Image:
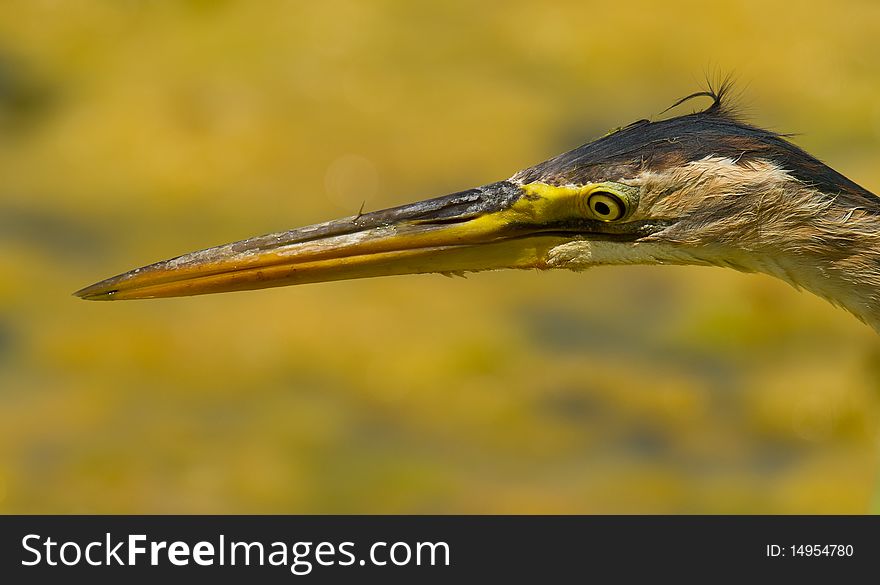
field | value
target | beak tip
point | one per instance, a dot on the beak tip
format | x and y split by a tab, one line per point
96	292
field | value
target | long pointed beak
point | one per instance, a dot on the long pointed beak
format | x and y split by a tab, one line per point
479	229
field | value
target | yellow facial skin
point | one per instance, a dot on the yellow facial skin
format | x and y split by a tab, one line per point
551	202
509	238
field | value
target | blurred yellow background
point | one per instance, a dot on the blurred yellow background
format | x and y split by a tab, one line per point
135	131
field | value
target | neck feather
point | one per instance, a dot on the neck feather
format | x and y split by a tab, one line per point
757	217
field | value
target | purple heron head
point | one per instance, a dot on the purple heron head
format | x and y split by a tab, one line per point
702	188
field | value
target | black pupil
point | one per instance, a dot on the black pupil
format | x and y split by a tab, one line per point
602	208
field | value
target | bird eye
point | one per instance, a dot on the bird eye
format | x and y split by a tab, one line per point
606	206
